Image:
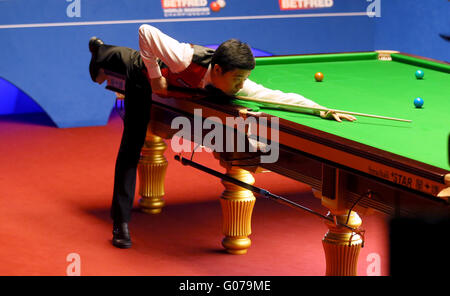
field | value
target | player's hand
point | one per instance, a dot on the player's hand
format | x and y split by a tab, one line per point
337	116
159	86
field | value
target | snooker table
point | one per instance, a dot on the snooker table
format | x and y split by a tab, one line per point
398	168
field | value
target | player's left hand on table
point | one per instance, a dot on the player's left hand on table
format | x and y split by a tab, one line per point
159	86
337	116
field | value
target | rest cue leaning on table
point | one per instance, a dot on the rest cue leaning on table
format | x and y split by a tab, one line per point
346	173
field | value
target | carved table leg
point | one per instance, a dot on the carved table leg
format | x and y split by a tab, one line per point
342	246
237	207
152	170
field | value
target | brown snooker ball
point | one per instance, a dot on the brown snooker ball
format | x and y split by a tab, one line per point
318	76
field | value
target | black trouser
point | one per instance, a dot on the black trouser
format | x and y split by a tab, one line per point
137	116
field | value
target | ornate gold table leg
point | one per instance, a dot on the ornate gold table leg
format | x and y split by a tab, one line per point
152	170
342	246
237	207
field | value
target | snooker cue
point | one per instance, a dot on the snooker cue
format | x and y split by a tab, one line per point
293	107
260	191
276	105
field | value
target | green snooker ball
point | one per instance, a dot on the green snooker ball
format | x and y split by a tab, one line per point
419	74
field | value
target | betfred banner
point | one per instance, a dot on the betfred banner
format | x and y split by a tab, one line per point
304	4
191	7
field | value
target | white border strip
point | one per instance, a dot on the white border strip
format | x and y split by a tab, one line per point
174	20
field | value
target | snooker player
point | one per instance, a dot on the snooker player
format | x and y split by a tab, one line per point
227	69
163	61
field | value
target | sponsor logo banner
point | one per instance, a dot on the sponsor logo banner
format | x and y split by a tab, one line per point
304	4
173	8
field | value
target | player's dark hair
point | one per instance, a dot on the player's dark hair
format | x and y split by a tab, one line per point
233	54
94	44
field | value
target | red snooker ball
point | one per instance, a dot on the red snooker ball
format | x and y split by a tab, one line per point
318	76
215	6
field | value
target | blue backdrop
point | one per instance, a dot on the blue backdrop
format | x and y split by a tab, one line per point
45	42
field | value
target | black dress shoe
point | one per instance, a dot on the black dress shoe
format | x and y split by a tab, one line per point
121	236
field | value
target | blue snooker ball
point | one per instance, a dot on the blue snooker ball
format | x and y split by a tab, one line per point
419	74
418	102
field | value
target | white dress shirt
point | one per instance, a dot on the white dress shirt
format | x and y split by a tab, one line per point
177	56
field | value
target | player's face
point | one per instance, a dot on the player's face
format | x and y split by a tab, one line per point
230	82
